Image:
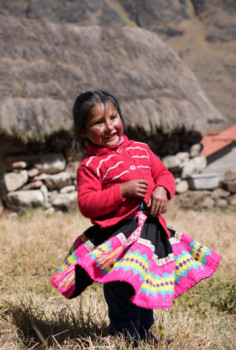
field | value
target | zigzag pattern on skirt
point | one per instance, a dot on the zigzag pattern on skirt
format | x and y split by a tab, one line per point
155	284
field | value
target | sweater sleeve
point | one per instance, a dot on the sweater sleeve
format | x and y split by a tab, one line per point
93	201
161	175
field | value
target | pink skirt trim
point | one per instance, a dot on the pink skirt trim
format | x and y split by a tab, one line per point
156	282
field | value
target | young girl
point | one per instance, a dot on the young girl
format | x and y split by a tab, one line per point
124	188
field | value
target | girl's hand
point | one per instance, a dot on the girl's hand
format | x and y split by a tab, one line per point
158	201
134	188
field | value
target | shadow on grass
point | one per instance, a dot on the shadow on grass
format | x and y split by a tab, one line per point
34	327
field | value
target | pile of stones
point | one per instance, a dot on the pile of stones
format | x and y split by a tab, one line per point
184	166
206	199
47	180
196	188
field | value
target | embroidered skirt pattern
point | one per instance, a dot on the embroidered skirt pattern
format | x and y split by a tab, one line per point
158	268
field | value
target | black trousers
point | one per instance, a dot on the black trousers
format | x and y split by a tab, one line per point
125	317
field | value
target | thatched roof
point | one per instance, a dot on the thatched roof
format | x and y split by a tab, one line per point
45	65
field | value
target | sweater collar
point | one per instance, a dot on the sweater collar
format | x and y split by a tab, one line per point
99	150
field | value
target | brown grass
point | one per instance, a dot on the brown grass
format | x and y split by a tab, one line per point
34	316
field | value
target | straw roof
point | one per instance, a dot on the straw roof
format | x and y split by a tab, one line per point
46	65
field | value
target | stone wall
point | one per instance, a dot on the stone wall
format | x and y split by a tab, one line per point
48	180
197	188
45	180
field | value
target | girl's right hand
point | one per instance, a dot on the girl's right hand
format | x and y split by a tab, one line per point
134	188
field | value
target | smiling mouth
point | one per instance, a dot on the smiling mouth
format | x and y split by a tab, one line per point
110	136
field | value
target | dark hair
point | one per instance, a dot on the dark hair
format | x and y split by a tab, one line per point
81	109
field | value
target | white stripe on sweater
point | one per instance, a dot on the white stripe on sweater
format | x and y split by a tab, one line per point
113	167
87	164
142	143
143	166
139	157
143	149
103	160
116	177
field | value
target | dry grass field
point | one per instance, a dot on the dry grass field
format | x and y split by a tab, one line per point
34	316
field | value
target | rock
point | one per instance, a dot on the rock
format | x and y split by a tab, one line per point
221	203
177	180
192	199
13	215
203	181
33	172
44	191
229	181
195	150
51	163
177	162
231	186
200	163
182	187
230	175
232	201
220	193
194	165
71	168
14	181
47	205
52	193
19	165
57	181
41	177
63	201
1	207
207	203
32	185
184	201
50	211
19	200
68	189
188	169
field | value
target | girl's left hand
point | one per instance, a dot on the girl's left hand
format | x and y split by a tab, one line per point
158	201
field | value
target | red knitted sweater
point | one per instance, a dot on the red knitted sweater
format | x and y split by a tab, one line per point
103	170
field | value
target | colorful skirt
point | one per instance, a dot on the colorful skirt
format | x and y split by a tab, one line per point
158	268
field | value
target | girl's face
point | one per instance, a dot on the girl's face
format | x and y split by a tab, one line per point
104	125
